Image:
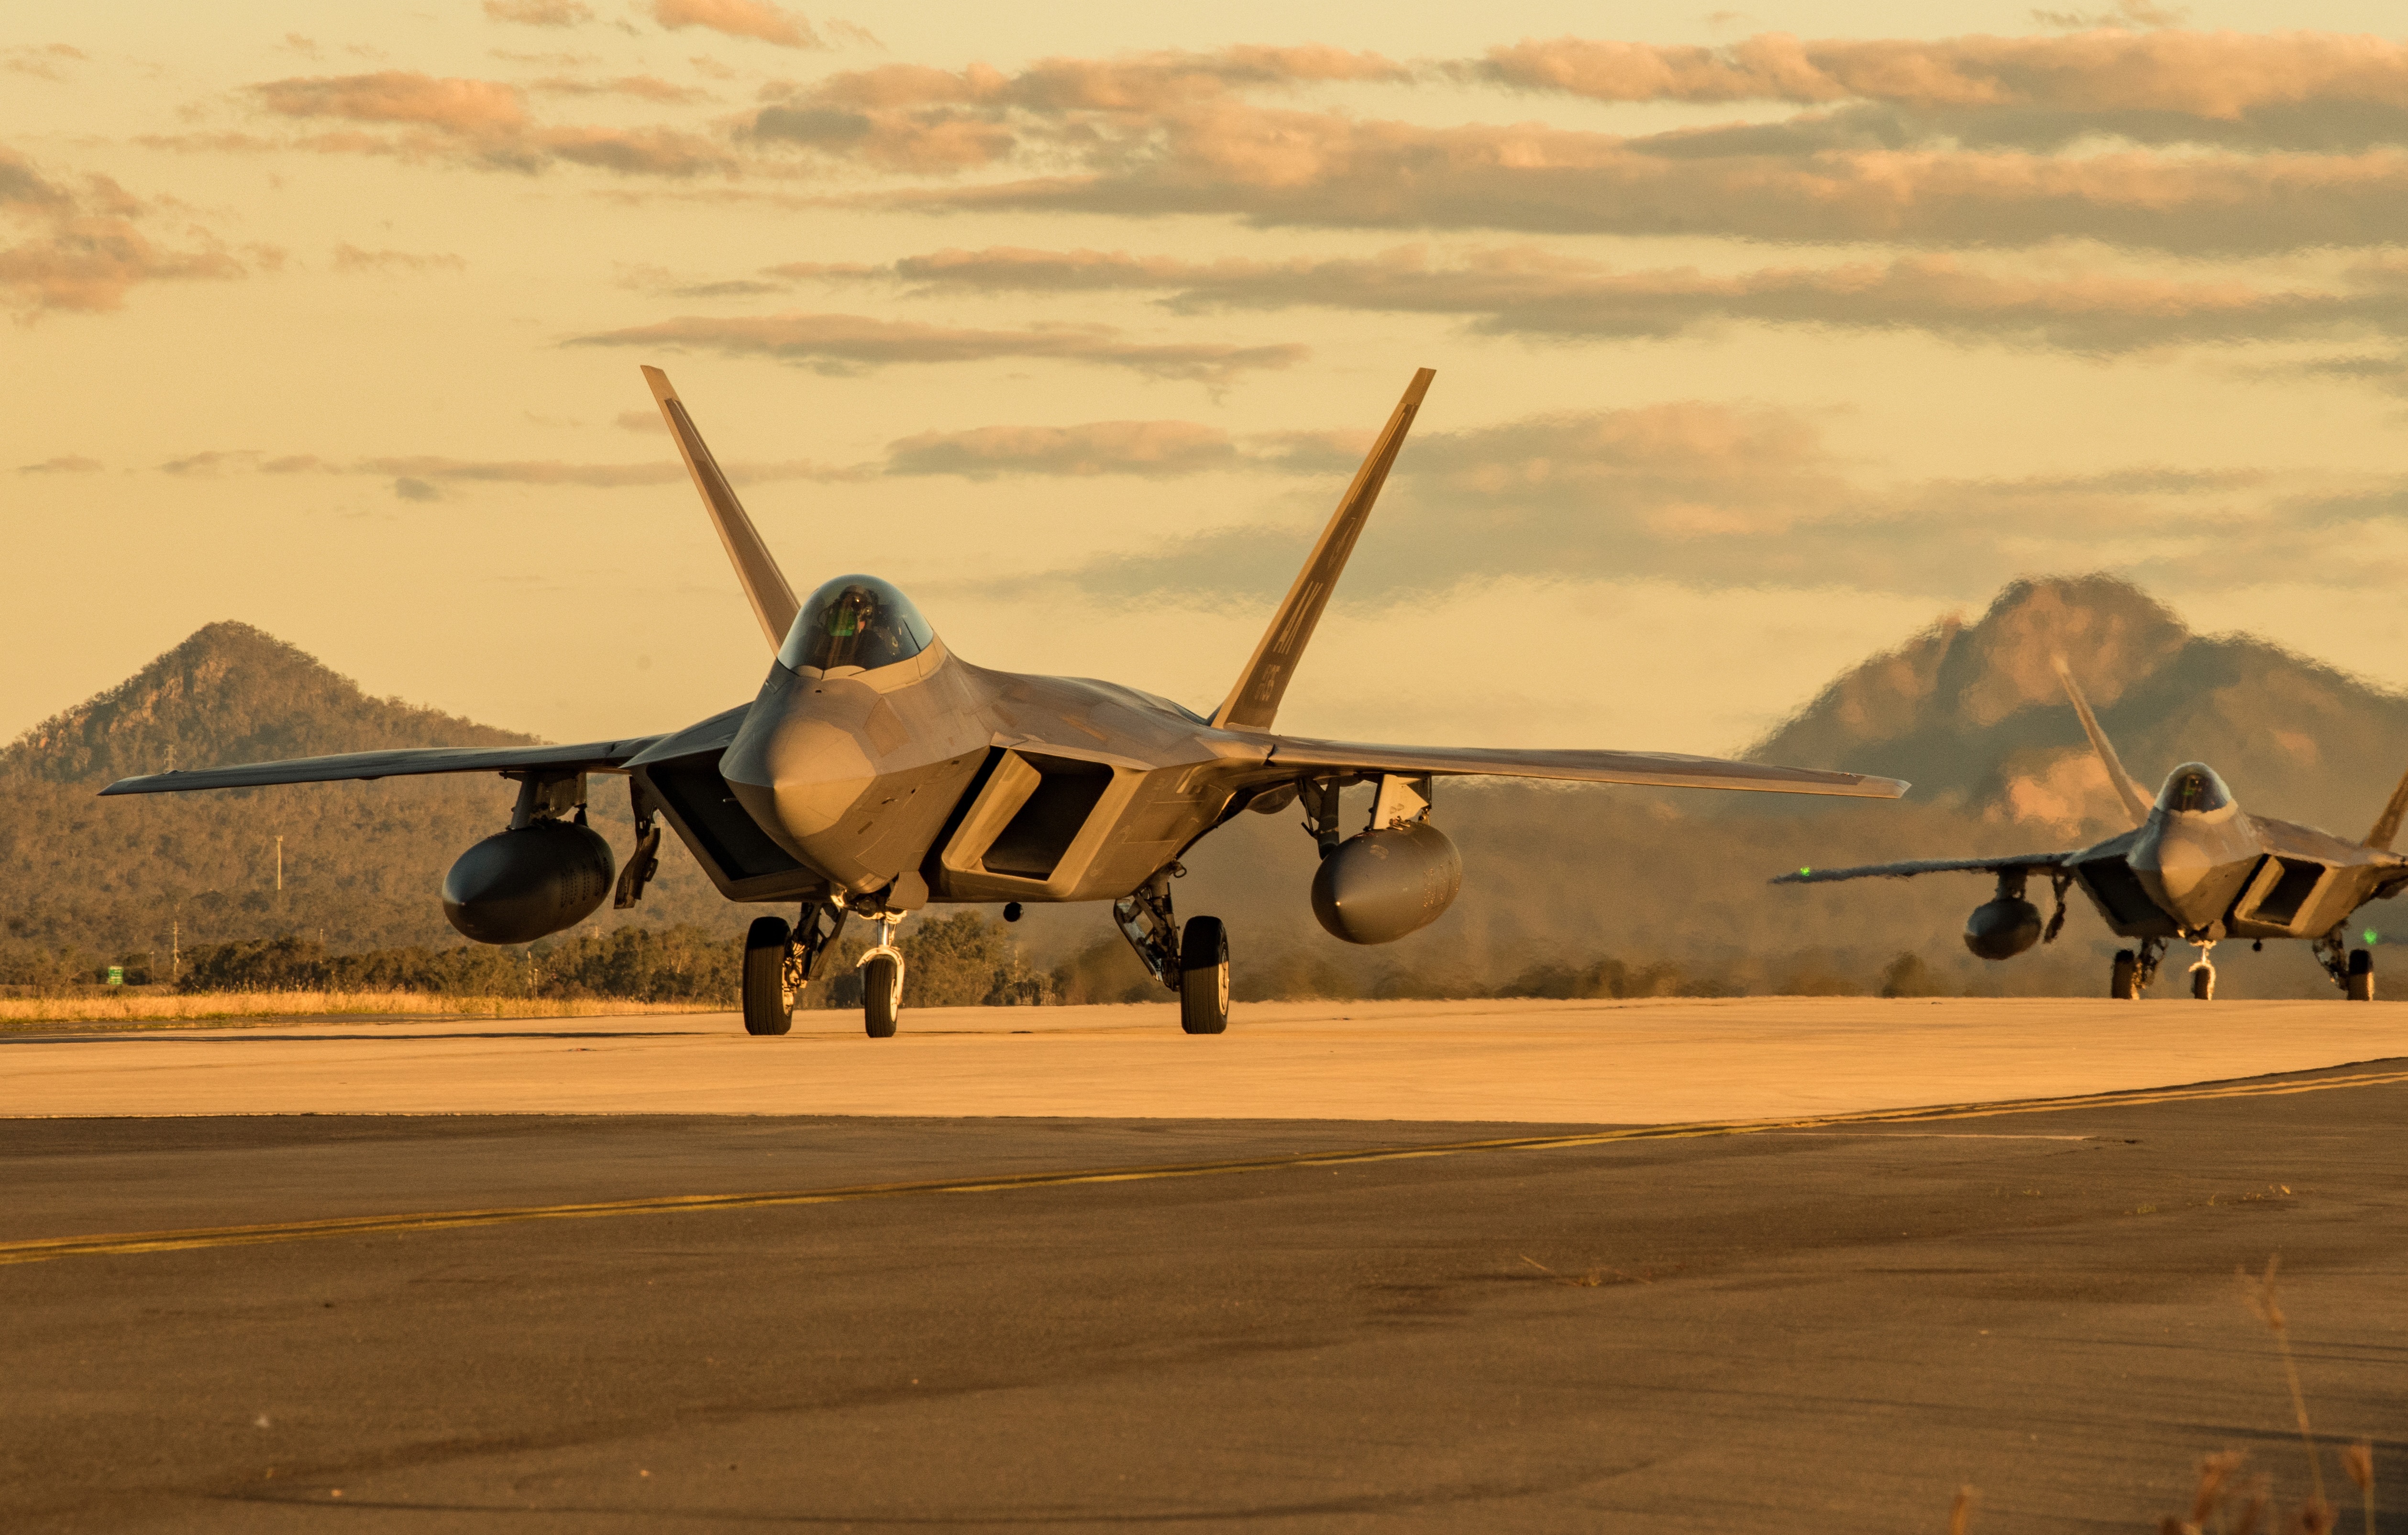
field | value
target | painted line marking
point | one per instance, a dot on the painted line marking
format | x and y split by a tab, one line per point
43	1249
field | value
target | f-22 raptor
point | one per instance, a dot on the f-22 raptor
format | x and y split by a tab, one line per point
2195	868
876	772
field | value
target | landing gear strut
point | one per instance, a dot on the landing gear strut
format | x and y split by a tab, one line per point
2351	969
1195	963
780	961
2135	972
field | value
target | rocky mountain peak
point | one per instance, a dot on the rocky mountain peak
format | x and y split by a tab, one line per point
229	692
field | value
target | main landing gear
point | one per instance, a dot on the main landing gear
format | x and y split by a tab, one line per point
780	961
2351	969
1194	963
2135	972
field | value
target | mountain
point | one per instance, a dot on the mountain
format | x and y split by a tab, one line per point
1974	715
362	862
1555	874
229	694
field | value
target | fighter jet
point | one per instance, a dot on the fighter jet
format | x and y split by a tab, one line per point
876	772
2195	868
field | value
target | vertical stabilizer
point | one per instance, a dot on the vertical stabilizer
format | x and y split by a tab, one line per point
2130	792
764	585
1255	701
2387	825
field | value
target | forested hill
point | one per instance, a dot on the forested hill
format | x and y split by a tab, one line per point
1973	713
229	694
363	862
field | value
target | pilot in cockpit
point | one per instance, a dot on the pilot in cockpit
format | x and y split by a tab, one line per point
855	621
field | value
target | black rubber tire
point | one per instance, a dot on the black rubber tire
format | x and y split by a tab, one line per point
1203	976
882	997
767	1009
2124	981
2361	976
2202	982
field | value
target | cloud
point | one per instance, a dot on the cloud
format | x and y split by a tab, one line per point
468	108
484	120
1723	497
1528	290
2198	74
79	247
68	465
42	62
756	19
410	489
1148	448
1973	141
643	87
539	13
350	258
843	343
436	470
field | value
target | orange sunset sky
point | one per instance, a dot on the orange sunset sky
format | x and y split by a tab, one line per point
1763	339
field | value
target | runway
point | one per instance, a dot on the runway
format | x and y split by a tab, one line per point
720	1321
1533	1062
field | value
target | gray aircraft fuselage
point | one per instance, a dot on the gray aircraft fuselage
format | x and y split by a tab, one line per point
2200	868
987	785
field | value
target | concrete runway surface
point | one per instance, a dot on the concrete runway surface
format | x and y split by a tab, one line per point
1313	1324
1546	1062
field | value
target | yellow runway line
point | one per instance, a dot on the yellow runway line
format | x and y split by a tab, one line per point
42	1249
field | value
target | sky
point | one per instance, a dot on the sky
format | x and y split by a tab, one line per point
1764	339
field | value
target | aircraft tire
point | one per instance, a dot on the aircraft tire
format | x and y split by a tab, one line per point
769	1008
1203	976
2361	976
2124	981
881	996
2202	981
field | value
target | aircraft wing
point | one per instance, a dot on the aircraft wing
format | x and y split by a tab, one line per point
2027	861
590	756
1665	769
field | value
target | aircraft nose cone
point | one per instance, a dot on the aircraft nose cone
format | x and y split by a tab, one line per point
2194	873
794	773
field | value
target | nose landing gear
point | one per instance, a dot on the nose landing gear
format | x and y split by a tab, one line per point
881	980
2202	972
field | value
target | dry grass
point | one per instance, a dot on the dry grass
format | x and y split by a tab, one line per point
172	1006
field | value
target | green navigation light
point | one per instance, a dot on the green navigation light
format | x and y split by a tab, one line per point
2371	936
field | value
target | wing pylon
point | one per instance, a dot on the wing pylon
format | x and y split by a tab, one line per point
1254	701
756	569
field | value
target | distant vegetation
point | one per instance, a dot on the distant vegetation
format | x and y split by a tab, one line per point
1569	891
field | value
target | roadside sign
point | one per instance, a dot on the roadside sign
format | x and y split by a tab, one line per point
117	975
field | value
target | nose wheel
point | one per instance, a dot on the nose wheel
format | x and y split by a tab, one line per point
2202	974
881	980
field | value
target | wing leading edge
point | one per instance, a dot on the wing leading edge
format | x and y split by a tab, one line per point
1662	768
589	756
2028	862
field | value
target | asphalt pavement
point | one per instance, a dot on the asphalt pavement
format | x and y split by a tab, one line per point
1016	1324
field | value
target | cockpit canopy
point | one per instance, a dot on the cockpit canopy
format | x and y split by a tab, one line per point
2193	786
855	621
